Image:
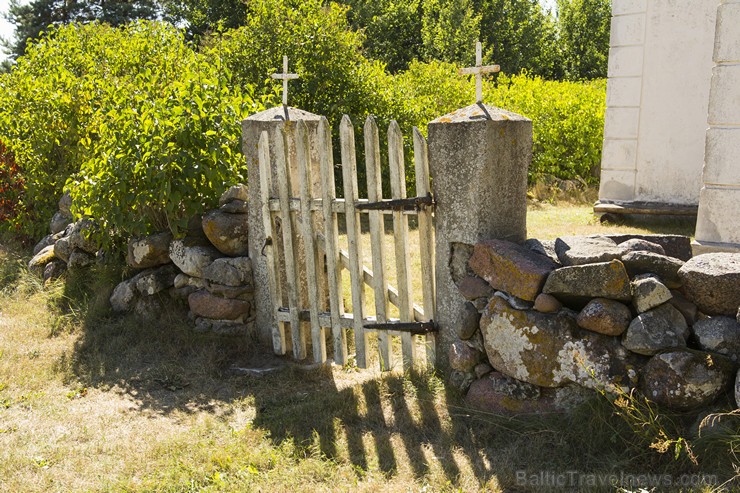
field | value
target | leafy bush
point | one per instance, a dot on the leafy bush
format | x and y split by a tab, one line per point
11	185
146	127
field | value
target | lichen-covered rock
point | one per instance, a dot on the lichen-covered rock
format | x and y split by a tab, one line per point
156	280
648	292
509	267
655	330
235	192
461	380
469	322
150	251
582	282
191	257
482	369
547	303
204	304
580	250
63	249
605	316
640	245
230	271
685	379
65	203
719	335
712	282
59	222
665	267
80	259
221	327
677	246
227	232
123	297
80	235
550	350
42	258
183	280
737	389
500	394
472	288
462	357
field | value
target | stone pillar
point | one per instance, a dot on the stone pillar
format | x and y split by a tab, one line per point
478	158
718	224
252	128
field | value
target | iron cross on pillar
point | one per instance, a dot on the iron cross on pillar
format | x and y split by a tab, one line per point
285	77
478	71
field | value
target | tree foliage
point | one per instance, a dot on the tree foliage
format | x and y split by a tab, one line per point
449	30
11	185
584	37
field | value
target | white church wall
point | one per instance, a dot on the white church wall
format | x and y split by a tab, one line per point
657	96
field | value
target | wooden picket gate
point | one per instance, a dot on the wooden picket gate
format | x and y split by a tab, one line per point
290	226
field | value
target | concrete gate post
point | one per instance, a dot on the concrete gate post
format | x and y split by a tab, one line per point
478	158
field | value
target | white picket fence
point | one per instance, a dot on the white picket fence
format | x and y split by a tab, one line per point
305	262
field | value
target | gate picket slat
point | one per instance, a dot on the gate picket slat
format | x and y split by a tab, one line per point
400	236
331	241
377	237
318	342
283	158
278	329
426	241
352	217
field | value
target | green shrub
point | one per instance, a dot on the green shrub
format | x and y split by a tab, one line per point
11	185
567	123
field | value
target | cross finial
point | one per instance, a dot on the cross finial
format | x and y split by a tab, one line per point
285	77
478	71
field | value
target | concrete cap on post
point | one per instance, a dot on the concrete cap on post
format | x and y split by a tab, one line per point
478	158
252	127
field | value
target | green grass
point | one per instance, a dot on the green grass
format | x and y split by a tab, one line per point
91	402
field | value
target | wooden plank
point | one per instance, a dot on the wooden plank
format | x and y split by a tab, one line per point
401	238
426	242
331	241
377	237
278	329
349	175
283	158
318	342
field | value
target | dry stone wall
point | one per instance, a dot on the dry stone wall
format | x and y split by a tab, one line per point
547	322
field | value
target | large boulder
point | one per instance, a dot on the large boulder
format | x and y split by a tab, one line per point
677	246
712	281
236	206
45	242
80	259
580	250
685	379
227	232
497	393
230	271
204	304
550	350
639	245
54	270
648	292
543	247
512	268
65	204
63	249
150	251
605	316
719	335
192	257
655	330
665	267
582	282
